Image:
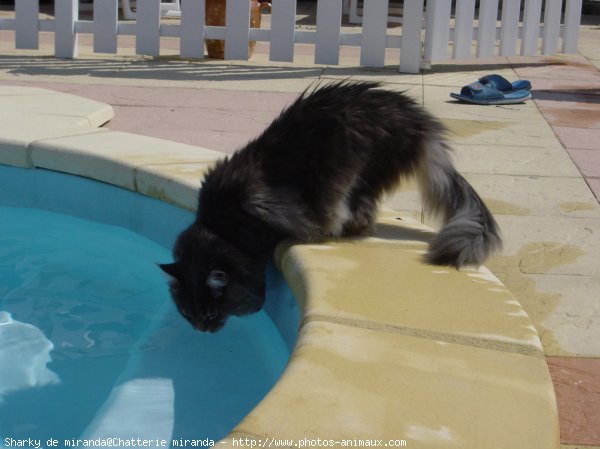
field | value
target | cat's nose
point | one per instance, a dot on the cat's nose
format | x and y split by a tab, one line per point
200	326
209	326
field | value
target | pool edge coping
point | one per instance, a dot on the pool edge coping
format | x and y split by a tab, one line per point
140	164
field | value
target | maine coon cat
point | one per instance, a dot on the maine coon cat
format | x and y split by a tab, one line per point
317	172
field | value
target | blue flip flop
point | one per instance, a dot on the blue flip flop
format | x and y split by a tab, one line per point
503	85
477	93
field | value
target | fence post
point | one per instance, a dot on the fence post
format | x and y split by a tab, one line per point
374	30
463	29
26	23
237	31
510	27
66	13
147	33
571	30
486	35
437	33
551	26
531	27
410	45
283	29
106	18
192	29
329	24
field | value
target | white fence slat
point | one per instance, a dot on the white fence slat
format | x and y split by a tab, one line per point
510	27
283	27
147	41
192	29
571	29
106	19
65	39
551	26
531	27
374	27
329	25
437	33
410	46
463	29
237	33
486	36
26	24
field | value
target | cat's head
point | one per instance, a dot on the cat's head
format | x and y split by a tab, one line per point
211	280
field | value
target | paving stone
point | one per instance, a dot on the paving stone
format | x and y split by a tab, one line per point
536	195
548	245
577	385
578	138
510	160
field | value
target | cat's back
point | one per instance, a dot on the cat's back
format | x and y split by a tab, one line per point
342	119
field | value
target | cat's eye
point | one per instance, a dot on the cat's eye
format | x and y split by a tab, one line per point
217	279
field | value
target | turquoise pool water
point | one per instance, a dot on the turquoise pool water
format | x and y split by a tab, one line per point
91	346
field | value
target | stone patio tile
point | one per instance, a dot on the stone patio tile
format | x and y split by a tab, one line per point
337	277
588	161
564	309
570	68
535	196
576	118
509	160
572	101
577	386
217	129
595	186
578	138
548	245
517	134
567	84
570	316
113	156
424	391
526	66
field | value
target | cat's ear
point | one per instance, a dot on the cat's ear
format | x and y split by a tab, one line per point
217	279
171	270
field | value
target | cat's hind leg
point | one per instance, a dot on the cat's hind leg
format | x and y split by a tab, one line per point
363	205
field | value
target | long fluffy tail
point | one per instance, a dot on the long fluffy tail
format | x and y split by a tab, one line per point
470	233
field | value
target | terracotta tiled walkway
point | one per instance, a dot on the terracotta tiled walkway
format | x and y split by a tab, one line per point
568	95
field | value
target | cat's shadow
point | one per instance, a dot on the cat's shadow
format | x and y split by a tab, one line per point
402	233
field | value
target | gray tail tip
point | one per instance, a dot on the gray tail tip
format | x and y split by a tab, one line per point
460	246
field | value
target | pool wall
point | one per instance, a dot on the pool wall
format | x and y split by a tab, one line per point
388	348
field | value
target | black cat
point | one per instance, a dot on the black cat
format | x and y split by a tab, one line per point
318	171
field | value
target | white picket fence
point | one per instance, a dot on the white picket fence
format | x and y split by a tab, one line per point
428	35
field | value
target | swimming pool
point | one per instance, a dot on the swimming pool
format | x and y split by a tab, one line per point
91	346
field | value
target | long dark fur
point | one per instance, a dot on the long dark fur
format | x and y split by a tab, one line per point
319	171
